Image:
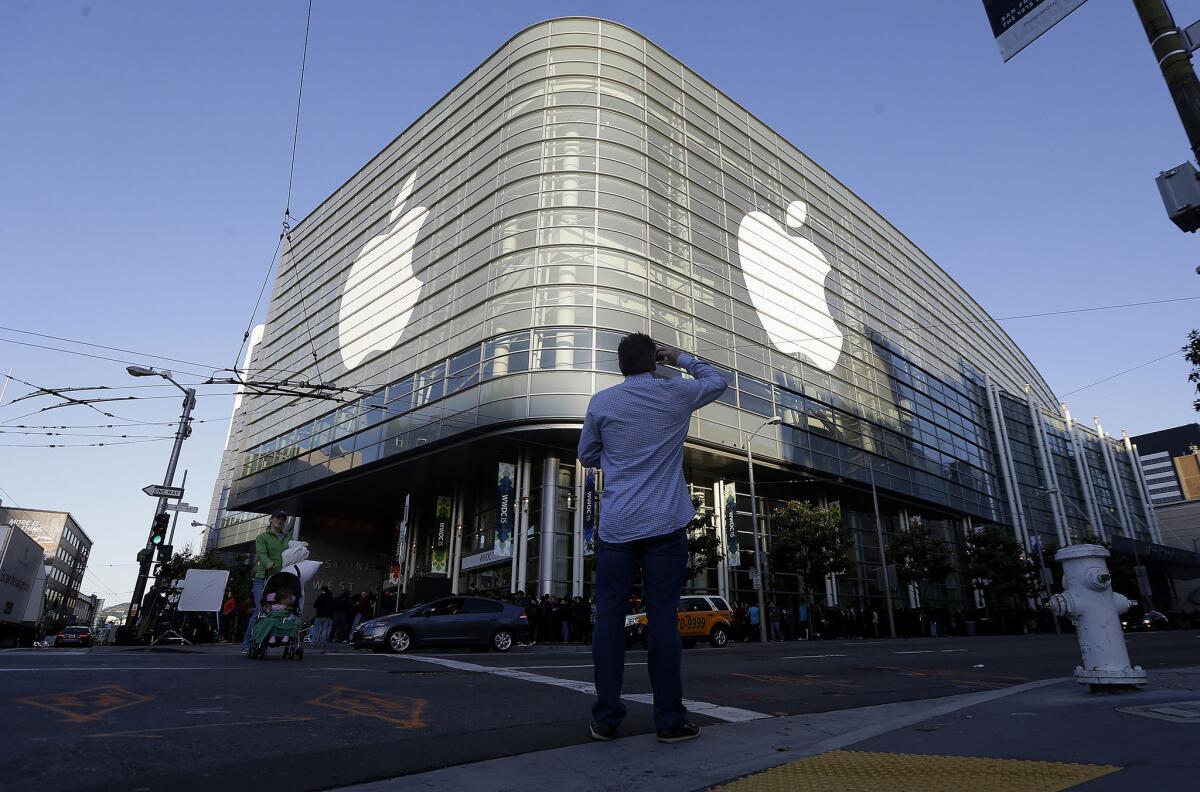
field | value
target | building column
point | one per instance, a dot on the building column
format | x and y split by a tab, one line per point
1143	490
1085	478
546	528
1004	454
521	522
1114	481
456	536
1049	475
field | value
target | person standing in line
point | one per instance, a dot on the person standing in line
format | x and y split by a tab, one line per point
774	621
228	617
753	616
634	432
323	616
268	552
341	604
362	611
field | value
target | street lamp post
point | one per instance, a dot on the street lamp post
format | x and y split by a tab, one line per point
887	583
182	432
758	567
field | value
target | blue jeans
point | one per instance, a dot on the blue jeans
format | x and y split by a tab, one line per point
255	598
663	560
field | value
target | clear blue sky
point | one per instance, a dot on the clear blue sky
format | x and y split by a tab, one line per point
144	164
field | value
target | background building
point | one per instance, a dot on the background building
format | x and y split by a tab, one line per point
471	283
66	546
1170	460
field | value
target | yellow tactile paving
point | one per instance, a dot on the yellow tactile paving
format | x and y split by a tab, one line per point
863	771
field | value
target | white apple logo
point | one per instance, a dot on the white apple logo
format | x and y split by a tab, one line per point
382	272
785	275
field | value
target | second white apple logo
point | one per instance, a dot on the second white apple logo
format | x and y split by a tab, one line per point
382	279
785	276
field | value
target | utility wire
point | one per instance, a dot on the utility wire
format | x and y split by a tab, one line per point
104	346
82	445
287	211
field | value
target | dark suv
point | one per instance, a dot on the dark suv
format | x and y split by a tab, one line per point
74	636
451	621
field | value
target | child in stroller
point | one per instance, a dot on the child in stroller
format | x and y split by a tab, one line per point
278	621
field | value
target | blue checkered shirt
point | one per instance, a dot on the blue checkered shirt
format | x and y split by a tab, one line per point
634	433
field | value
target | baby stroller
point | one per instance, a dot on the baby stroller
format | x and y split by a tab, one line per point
279	621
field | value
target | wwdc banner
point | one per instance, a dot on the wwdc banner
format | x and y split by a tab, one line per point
504	512
1016	23
734	556
439	544
589	513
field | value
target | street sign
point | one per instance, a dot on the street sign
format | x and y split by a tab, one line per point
182	507
158	491
1017	23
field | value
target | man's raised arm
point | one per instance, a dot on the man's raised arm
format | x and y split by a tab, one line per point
707	383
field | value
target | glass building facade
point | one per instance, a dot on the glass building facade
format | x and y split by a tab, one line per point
467	289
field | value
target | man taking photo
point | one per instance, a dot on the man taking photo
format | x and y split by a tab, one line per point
634	433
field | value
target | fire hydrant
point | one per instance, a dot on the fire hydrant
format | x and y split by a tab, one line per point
1095	609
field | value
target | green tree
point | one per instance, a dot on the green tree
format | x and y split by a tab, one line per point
919	556
181	562
704	550
808	540
995	564
1191	353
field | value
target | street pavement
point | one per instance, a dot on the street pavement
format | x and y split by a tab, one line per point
191	718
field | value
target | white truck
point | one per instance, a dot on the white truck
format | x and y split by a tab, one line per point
22	584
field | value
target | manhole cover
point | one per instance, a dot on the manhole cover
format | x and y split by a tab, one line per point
1177	712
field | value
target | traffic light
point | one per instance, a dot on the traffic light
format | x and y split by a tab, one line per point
158	531
144	555
164	552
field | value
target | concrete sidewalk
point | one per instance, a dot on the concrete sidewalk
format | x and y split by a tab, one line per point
1065	735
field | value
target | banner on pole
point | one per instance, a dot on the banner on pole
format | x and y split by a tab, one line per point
734	557
589	513
402	534
440	543
1017	23
504	512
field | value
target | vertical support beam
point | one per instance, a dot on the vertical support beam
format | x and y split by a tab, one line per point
546	528
577	534
1085	477
1143	490
1049	476
722	540
1114	481
1004	455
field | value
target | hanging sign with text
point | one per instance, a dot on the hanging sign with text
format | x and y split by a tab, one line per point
589	513
505	489
440	542
731	538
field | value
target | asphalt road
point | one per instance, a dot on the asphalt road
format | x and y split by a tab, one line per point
183	719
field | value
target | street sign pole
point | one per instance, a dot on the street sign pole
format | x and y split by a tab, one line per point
1174	55
175	519
181	434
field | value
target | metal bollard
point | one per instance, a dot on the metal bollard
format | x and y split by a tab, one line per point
1095	609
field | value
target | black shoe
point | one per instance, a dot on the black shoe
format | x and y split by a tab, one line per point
603	733
687	731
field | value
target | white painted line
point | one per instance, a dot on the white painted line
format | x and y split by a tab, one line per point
918	651
586	665
944	651
731	714
128	668
806	657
